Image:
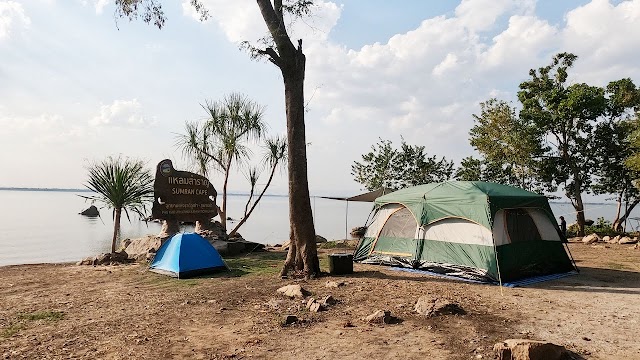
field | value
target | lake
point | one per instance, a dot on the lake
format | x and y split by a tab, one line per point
44	226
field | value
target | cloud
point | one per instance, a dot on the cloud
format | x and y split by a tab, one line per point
241	20
12	16
122	113
39	130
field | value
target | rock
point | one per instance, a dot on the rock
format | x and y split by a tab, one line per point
320	239
429	306
328	301
589	222
314	306
590	239
523	349
379	317
144	248
91	211
606	238
293	291
274	304
290	319
334	284
627	240
616	239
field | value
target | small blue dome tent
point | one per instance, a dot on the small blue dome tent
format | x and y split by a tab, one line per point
187	255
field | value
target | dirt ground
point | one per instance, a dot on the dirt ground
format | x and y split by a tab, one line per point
126	312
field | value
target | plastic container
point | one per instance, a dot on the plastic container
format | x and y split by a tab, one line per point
340	264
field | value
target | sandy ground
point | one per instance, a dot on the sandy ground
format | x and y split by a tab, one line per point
124	312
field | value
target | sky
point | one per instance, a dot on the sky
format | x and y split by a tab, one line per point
78	85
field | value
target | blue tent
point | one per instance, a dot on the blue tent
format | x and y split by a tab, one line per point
187	255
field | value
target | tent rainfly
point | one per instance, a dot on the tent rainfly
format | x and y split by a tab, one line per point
471	229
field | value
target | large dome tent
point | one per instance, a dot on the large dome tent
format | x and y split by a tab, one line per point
472	229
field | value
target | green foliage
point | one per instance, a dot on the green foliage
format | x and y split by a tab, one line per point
387	167
508	145
601	227
120	184
221	141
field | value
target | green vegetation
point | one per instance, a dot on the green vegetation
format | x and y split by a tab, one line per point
11	330
25	318
42	315
392	168
120	184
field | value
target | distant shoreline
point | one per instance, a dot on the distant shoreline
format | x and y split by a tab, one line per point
42	189
234	194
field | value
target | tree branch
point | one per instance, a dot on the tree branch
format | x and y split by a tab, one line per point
273	55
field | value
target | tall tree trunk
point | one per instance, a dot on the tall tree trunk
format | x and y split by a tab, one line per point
117	213
617	226
578	205
300	214
616	219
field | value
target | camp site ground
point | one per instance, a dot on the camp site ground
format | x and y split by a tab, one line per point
116	312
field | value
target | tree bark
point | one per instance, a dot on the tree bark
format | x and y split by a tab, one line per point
616	219
117	213
300	214
617	226
578	205
291	62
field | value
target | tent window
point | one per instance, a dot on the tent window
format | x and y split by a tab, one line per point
401	224
520	226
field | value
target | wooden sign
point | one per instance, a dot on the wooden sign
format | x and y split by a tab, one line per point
182	195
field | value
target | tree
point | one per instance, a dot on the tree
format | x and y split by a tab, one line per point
565	115
120	184
221	139
506	143
387	167
613	146
291	61
472	169
274	156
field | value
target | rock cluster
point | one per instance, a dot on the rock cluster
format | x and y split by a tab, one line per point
116	258
623	240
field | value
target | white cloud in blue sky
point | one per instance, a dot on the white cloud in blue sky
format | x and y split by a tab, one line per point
76	85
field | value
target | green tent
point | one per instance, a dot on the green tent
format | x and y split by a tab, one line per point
471	229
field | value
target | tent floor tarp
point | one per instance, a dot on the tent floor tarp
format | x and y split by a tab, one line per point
511	284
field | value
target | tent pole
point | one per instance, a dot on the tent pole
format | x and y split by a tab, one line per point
346	219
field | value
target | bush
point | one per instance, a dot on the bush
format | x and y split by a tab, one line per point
601	227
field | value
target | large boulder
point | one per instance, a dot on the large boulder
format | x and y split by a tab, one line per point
144	248
590	239
91	211
524	349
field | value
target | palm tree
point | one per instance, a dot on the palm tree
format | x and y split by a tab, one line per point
120	184
221	139
276	152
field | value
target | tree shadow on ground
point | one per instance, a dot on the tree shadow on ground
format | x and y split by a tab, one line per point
587	280
597	280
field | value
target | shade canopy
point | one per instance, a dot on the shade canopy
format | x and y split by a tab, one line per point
370	196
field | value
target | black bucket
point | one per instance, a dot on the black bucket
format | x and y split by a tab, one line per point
340	264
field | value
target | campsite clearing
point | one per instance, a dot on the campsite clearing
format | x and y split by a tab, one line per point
117	312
